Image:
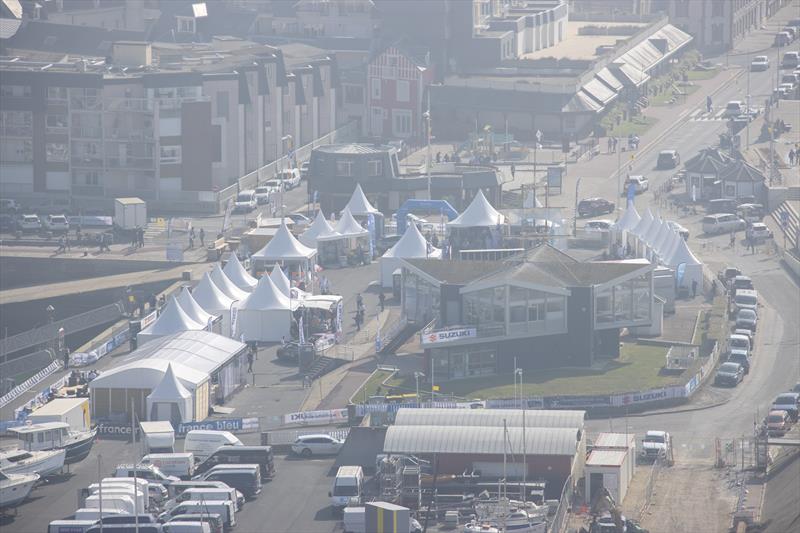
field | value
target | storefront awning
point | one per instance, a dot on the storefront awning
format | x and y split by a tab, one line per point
599	92
609	80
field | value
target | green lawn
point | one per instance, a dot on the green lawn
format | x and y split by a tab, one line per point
711	325
638	368
697	75
637	126
375	382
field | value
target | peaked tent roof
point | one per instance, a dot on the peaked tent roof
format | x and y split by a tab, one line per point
358	203
226	285
280	280
479	213
172	320
284	245
238	275
192	308
670	246
349	226
169	388
266	297
319	228
653	230
643	225
210	298
663	234
683	254
629	219
412	244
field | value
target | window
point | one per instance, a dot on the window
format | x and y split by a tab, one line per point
344	168
401	122
170	154
57	93
353	94
56	122
403	91
16	123
375	83
15	90
375	168
222	104
185	24
56	152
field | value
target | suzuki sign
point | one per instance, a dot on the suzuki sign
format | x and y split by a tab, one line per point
447	335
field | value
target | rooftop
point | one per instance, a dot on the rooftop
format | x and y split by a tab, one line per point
578	45
606	458
355	148
491	417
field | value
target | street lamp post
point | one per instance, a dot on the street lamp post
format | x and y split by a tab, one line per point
518	372
427	117
418	375
575	214
284	139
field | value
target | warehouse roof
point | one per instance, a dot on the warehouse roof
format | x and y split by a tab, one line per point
490	418
200	350
479	440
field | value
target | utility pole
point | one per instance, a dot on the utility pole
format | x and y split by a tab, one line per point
427	116
575	214
749	115
100	481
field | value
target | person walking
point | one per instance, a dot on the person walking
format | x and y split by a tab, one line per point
382	300
733	240
202	238
141	237
61	245
250	358
792	156
694	288
191	238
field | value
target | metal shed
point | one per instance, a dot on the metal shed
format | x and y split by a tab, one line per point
491	417
607	468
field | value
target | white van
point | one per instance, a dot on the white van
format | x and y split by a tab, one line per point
347	487
210	494
223	508
245	201
156	490
186	527
117	502
173	464
745	299
204	442
722	223
70	526
142	499
94	514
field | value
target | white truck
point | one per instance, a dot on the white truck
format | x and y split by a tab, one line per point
159	436
657	445
130	213
172	464
348	487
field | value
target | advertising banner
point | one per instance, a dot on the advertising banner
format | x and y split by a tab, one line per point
438	337
234	425
315	418
576	402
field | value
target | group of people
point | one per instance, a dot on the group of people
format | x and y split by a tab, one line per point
794	156
447	158
138	237
192	236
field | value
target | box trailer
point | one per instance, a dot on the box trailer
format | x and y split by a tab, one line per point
73	411
159	436
130	213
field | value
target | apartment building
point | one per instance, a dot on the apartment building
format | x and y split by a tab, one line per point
156	119
717	25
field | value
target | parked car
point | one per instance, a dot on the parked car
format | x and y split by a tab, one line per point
788	401
740	357
213	520
734	108
29	223
785	90
260	455
56	223
745	333
742	282
640	184
790	60
759	63
680	230
594	226
782	38
727	274
246	478
729	373
778	422
591	207
668	159
741	342
263	193
319	444
758	231
291	177
722	223
750	212
747	319
245	201
722	205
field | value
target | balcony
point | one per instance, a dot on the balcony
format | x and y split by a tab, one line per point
87	162
131	162
16	130
86	132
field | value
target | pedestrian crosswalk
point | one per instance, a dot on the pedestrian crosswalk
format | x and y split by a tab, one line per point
716	115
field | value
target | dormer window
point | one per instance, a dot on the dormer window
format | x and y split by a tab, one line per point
186	24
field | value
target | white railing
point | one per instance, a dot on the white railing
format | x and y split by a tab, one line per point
31	382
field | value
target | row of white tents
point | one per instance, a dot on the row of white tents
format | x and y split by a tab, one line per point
658	240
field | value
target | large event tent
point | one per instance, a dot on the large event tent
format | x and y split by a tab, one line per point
412	244
265	315
194	309
226	285
290	253
170	400
171	319
213	301
238	275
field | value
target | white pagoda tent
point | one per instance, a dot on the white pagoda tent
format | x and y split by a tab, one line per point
214	301
280	280
342	246
319	228
226	285
238	275
692	266
412	244
358	205
629	219
286	250
171	319
265	315
170	400
479	214
194	309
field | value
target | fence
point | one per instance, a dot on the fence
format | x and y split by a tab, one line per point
45	334
29	383
559	522
26	365
250	181
649	488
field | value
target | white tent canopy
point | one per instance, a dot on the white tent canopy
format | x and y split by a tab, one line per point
479	213
670	246
172	319
280	280
358	204
265	315
284	246
210	298
348	226
652	231
693	267
170	400
644	223
663	238
226	285
238	275
192	308
629	219
412	244
319	228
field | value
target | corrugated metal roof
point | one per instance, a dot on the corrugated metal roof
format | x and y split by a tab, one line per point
614	440
479	440
606	458
490	418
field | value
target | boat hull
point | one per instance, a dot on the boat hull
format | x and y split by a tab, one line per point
52	461
79	449
16	492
